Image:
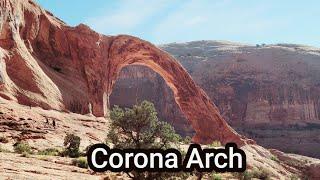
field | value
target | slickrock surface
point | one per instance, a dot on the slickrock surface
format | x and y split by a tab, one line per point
47	167
19	122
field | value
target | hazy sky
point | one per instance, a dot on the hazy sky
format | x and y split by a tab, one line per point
164	21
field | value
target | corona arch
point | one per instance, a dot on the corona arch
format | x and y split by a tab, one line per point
192	100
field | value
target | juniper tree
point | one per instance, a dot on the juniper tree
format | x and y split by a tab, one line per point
139	128
72	144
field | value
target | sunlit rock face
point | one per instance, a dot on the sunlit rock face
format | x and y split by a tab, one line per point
270	93
265	84
49	64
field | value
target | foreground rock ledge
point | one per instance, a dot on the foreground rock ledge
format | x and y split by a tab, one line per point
46	63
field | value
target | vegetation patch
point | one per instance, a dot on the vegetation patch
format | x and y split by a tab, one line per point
215	176
80	162
72	144
274	158
22	147
215	144
260	173
139	128
50	152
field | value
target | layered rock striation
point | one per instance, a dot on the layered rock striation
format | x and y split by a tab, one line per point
46	63
268	92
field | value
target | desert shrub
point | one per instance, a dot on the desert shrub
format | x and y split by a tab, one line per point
246	175
22	147
50	152
80	162
72	144
215	144
187	140
262	174
274	158
215	176
4	139
294	177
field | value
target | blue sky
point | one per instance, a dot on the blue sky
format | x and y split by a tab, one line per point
165	21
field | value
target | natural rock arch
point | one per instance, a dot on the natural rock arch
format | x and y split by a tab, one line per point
136	83
76	63
193	101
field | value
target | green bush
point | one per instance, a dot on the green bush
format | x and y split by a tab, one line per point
262	174
274	158
246	175
4	139
72	144
80	162
187	140
215	144
22	147
294	177
50	152
215	176
255	173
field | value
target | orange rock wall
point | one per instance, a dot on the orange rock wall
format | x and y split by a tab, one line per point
64	67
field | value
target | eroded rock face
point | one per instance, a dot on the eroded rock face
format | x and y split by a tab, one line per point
270	93
269	84
52	65
138	83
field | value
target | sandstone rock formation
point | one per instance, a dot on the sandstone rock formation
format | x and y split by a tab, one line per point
57	68
138	83
265	84
269	93
20	122
49	64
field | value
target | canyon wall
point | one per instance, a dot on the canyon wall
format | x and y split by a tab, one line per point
271	93
266	84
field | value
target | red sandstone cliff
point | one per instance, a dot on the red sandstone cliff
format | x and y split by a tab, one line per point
270	93
46	63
